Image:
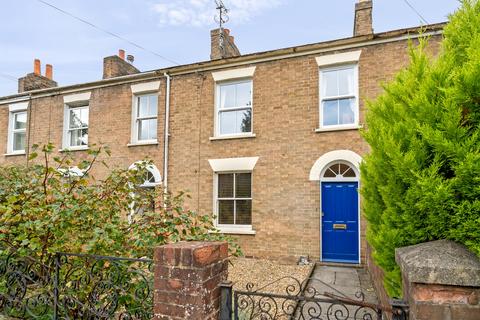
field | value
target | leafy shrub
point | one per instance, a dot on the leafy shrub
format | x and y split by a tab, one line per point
421	180
45	207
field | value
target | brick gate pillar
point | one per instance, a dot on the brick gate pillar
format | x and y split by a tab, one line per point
187	280
441	281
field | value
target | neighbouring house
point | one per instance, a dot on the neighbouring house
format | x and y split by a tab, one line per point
268	142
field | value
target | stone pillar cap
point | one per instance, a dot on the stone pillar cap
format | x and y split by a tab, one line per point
439	262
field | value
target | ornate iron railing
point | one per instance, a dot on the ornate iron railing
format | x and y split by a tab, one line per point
76	286
300	301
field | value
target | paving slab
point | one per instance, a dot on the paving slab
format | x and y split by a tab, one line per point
348	282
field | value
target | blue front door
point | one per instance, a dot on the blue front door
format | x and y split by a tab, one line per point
340	222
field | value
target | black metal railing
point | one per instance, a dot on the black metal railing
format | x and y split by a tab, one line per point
76	286
302	301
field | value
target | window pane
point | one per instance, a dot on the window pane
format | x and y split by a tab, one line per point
152	105
347	115
232	122
245	119
243	185
329	84
225	211
227	96
329	173
78	118
20	120
349	173
345	82
244	94
19	141
225	185
244	212
228	122
330	112
142	106
79	137
147	129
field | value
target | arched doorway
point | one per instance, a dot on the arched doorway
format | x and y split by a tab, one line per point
340	223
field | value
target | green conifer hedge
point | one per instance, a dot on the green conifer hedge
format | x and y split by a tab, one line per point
421	180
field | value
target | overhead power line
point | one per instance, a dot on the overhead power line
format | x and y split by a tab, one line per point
416	11
9	77
107	32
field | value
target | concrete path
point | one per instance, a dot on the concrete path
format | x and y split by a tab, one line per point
348	282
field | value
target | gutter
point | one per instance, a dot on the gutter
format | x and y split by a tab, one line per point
166	132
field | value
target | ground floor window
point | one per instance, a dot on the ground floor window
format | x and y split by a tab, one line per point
144	193
234	198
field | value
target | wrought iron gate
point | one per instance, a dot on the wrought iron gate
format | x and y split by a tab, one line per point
302	301
76	286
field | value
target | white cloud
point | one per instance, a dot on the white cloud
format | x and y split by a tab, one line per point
202	12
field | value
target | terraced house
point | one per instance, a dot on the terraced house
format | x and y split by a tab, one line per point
268	142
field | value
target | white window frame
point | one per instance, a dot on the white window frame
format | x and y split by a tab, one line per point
356	95
135	119
146	184
66	126
237	108
232	228
11	130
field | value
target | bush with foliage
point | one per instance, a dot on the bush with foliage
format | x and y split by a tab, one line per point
47	207
421	180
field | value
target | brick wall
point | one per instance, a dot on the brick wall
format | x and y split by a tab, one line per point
286	205
187	280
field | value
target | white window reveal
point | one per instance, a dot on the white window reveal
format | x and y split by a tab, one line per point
144	113
19	131
339	96
77	127
234	199
145	118
233	103
76	121
17	128
234	108
152	179
232	195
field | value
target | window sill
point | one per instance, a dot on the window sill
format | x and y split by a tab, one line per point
236	136
146	143
12	154
233	230
346	128
72	149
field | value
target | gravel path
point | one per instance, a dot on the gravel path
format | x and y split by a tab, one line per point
267	277
261	272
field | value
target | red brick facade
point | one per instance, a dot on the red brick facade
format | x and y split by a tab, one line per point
286	203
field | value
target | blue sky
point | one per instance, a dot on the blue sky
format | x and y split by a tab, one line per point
177	29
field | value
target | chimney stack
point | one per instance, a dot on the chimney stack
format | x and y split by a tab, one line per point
35	80
116	66
229	48
49	71
363	18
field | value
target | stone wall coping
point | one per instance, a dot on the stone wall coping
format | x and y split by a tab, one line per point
439	262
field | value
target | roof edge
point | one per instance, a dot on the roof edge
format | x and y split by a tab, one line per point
337	44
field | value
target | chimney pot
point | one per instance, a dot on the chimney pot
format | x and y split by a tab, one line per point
49	71
121	54
36	67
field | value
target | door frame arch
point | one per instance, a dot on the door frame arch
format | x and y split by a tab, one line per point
316	174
